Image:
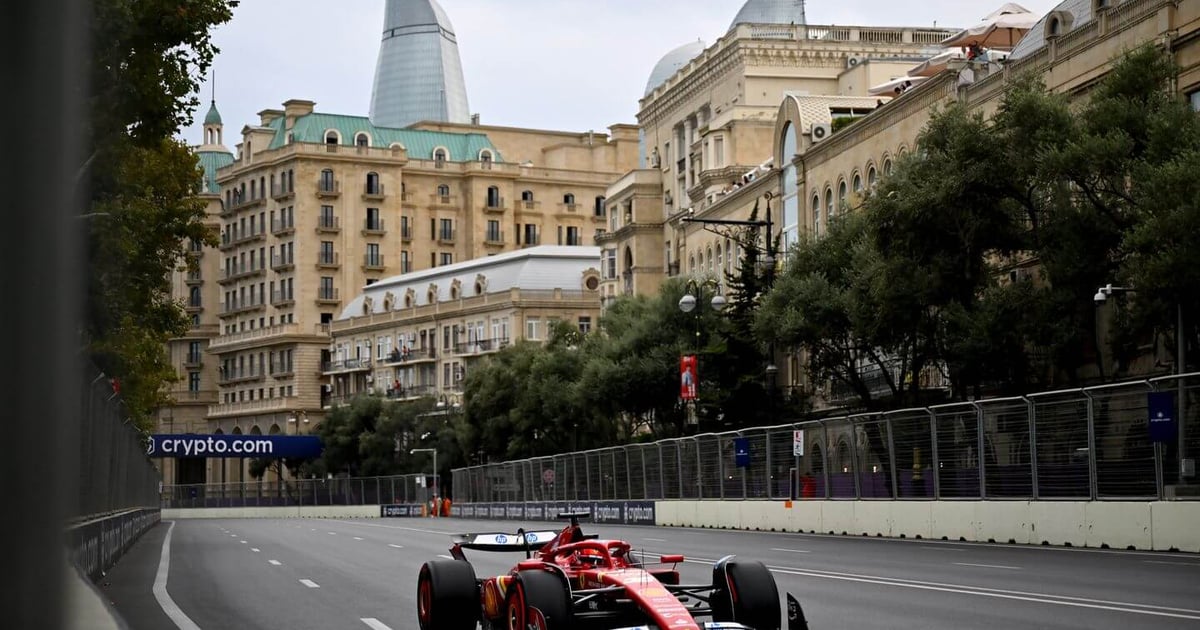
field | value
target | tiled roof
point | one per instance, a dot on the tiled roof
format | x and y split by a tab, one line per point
210	161
463	147
1035	39
815	109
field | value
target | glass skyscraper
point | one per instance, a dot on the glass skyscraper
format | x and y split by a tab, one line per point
419	73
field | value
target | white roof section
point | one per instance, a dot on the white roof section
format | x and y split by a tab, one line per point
817	109
545	267
1034	40
671	63
770	12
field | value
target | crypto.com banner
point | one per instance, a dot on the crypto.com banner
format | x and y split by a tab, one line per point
269	446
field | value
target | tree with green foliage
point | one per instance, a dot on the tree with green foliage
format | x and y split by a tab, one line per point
141	184
372	436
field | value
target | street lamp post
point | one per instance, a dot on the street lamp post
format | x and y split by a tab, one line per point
1102	295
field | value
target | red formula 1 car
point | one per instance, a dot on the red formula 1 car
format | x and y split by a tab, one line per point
571	580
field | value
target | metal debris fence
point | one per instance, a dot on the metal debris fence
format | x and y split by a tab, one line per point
399	489
114	471
1077	444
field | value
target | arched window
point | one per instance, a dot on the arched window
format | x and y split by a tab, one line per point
720	259
439	155
857	182
816	214
331	137
828	205
842	193
569	199
361	140
485	155
887	166
709	256
527	195
443	190
871	177
692	263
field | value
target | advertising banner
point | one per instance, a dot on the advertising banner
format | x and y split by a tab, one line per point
688	377
615	512
403	511
264	446
1161	406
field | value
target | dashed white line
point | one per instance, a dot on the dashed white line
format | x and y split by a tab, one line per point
791	550
255	549
275	562
310	584
242	541
986	566
357	538
395	546
1182	564
656	539
333	533
374	624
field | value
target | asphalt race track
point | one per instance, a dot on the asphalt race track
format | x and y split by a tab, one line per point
359	574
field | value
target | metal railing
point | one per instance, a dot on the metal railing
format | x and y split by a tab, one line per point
415	488
1077	444
114	471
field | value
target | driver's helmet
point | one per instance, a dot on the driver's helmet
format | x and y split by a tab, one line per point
589	556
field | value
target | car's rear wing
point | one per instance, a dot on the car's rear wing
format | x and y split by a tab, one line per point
500	541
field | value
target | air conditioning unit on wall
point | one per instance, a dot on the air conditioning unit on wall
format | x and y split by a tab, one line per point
820	132
853	62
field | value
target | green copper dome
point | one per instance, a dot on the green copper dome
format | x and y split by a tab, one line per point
213	117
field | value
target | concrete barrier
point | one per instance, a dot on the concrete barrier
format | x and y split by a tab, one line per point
1159	525
96	544
305	511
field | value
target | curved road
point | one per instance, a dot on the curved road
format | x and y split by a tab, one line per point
359	574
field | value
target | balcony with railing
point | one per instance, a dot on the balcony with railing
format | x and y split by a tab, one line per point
493	237
411	392
282	298
236	375
328	188
186	396
406	232
446	237
283	226
532	240
442	200
344	366
495	205
283	369
236	272
374	227
373	262
280	192
327	295
373	192
329	224
328	260
266	334
233	238
410	355
283	263
193	360
237	306
252	406
480	346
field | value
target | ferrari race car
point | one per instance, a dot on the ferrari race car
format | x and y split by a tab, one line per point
571	580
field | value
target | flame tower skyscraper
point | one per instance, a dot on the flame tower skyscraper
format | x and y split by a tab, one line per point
419	73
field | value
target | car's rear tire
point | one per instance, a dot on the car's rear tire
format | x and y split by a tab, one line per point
744	591
447	596
546	591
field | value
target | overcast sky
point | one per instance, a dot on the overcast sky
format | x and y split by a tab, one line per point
571	65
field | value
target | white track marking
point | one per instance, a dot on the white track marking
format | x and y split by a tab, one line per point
310	584
243	542
409	529
275	562
395	546
656	539
333	533
181	620
986	566
255	549
374	624
791	550
1182	564
357	538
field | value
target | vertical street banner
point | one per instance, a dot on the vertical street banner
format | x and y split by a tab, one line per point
687	377
1161	407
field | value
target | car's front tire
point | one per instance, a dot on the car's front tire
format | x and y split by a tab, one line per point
744	591
543	590
447	596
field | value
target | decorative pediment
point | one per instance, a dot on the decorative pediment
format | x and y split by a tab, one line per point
431	295
410	297
481	284
456	289
389	301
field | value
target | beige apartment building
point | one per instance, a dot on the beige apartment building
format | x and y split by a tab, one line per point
312	207
812	168
419	334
